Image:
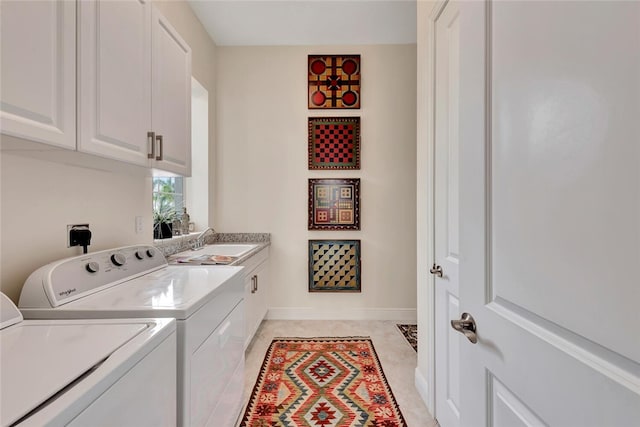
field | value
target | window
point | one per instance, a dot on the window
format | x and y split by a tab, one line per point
168	196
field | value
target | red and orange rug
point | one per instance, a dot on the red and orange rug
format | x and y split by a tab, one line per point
322	382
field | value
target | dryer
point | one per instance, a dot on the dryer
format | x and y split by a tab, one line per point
86	372
135	281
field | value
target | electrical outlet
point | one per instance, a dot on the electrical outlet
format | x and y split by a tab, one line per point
71	226
139	225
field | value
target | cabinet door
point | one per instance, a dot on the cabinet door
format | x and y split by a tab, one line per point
256	299
171	97
262	292
37	72
114	66
250	312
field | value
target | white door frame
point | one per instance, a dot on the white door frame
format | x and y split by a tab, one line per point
426	253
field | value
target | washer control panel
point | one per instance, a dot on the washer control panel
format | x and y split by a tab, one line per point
69	279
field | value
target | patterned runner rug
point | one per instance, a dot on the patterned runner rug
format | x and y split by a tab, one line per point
410	333
322	382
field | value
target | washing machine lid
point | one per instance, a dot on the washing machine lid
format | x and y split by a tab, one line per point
9	313
174	291
40	359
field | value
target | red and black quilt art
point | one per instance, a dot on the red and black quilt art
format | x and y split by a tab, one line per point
334	142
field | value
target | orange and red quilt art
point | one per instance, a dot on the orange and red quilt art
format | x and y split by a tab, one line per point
334	81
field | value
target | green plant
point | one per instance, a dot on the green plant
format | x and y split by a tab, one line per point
164	213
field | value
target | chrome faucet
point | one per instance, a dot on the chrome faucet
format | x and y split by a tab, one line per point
199	242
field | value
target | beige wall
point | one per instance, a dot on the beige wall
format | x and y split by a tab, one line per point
39	198
262	173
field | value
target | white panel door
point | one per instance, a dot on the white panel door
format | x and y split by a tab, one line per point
446	250
171	109
550	213
38	71
114	84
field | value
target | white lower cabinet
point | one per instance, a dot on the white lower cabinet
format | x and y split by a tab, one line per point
256	292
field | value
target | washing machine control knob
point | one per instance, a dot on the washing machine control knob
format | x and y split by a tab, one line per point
140	255
92	267
151	253
118	259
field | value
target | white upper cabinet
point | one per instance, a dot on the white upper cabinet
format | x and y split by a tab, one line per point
134	100
38	78
114	65
171	98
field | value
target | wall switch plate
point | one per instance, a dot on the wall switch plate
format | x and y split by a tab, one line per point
139	225
69	227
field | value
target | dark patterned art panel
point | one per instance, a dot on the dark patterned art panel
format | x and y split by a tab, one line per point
334	143
334	266
334	81
334	204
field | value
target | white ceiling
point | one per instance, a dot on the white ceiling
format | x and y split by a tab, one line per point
307	22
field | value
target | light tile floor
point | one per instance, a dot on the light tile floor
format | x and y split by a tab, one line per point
397	357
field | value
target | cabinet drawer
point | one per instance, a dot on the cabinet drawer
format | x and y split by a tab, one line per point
252	263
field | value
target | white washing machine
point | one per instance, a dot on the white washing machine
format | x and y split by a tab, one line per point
135	281
86	372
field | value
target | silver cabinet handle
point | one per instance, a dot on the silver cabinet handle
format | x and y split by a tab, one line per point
436	269
152	139
160	147
254	287
467	326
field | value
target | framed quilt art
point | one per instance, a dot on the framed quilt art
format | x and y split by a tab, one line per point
334	81
334	204
334	266
334	142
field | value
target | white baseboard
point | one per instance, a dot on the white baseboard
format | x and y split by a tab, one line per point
307	313
423	389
